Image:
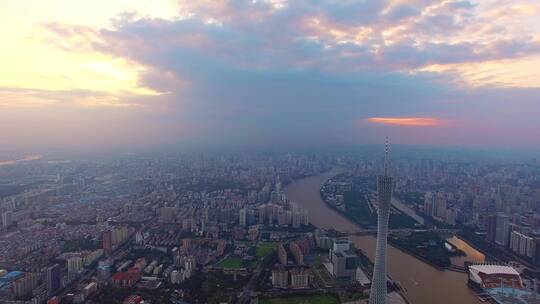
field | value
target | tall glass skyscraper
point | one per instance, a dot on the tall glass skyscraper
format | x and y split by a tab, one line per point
378	294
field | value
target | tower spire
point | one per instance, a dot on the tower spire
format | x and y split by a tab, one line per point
386	157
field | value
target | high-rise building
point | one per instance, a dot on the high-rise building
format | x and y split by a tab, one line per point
451	216
304	219
378	293
299	278
190	266
429	199
297	253
186	245
502	230
253	233
176	277
103	271
280	277
7	218
261	213
296	218
75	265
282	254
107	242
243	217
344	264
522	244
491	228
119	235
23	286
440	207
536	253
53	278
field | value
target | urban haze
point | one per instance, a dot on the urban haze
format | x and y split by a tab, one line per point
270	152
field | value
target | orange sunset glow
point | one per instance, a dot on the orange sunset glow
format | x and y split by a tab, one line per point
407	121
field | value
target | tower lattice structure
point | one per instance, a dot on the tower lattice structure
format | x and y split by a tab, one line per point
378	294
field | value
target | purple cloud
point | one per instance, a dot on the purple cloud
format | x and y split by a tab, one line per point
243	71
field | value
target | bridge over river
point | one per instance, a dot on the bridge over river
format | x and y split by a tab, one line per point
401	231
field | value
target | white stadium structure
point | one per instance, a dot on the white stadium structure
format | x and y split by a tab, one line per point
493	276
501	284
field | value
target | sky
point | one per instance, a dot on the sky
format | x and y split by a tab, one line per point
143	73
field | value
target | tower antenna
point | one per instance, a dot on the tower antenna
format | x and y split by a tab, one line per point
386	157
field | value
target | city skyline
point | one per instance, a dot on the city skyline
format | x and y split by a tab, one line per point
300	227
110	74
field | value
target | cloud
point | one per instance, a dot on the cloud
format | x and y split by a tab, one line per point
318	35
293	72
402	11
251	71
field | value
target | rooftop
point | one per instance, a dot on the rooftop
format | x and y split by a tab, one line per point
494	269
11	276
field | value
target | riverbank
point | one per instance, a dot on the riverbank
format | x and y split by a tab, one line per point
426	246
432	262
341	212
473	255
471	242
422	283
352	197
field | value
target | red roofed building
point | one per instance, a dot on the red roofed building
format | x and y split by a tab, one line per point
133	299
54	300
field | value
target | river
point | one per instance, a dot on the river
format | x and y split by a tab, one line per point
423	283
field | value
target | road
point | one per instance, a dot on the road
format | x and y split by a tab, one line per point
245	295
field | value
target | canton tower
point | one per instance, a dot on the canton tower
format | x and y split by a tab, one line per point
384	188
